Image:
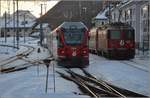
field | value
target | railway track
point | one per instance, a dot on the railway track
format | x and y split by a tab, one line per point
93	87
22	66
8	46
4	64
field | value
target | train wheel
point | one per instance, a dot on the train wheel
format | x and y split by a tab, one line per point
99	53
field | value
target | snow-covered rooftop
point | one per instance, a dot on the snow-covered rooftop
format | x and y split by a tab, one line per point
26	19
102	15
43	25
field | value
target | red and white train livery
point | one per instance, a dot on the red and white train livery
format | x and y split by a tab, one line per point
68	43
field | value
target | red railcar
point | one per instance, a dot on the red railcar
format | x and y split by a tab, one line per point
69	44
115	40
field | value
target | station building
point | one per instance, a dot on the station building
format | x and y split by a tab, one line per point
8	25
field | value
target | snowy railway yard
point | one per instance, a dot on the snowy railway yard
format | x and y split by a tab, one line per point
28	80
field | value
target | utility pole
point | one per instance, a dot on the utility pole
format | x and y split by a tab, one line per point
24	26
45	6
0	29
80	12
148	26
17	26
41	27
8	7
5	15
0	16
109	12
14	22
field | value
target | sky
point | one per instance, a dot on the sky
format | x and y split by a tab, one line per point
33	6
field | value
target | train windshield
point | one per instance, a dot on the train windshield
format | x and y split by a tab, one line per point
114	34
73	36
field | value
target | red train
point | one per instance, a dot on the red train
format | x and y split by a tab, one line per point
114	40
68	43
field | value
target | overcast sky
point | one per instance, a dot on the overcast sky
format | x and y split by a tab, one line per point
34	6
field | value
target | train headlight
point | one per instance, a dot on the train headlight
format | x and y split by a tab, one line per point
84	51
62	52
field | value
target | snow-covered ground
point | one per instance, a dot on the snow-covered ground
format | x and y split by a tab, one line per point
28	83
31	84
119	73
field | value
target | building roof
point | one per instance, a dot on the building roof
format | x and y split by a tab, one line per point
72	11
102	15
26	19
127	3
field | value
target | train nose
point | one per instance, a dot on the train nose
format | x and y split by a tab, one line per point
74	53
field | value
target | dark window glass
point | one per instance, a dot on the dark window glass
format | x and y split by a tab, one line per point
114	34
73	36
129	34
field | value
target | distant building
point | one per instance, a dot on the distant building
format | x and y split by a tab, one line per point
101	18
9	24
137	14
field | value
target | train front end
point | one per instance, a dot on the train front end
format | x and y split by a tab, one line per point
73	50
121	42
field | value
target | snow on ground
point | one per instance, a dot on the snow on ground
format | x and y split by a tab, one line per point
28	83
120	74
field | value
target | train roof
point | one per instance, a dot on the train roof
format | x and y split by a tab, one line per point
117	24
73	25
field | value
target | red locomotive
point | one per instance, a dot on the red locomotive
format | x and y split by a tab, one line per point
68	43
114	40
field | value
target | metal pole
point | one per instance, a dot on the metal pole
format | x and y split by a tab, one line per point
41	27
14	22
148	26
5	26
38	51
0	16
8	5
24	27
80	8
47	66
109	12
17	26
54	76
